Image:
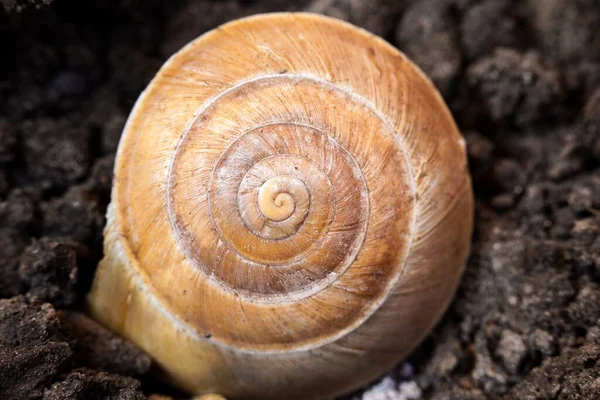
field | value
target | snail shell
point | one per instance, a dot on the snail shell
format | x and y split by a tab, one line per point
291	211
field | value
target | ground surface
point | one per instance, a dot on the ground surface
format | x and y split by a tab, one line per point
523	81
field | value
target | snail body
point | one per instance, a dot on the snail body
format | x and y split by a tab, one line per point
291	211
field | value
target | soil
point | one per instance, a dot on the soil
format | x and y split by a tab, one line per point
523	81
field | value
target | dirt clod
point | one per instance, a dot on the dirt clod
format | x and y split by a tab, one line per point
49	270
88	384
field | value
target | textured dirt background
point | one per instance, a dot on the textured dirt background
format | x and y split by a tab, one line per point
523	81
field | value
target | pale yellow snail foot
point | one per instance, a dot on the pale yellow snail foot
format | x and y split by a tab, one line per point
291	211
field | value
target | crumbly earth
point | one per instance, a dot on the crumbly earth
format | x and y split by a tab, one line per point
523	81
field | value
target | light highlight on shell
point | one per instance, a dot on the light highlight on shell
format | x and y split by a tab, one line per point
291	211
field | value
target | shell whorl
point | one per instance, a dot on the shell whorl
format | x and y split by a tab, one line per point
291	208
276	209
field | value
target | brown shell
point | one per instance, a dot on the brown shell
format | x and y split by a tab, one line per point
291	211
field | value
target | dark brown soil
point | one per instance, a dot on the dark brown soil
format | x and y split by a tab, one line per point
523	81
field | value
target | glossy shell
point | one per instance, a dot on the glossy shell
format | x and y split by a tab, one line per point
291	211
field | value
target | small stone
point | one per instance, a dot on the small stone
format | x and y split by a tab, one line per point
388	389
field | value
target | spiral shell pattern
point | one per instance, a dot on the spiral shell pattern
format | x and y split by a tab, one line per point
291	194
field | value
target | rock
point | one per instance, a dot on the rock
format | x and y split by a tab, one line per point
100	349
388	389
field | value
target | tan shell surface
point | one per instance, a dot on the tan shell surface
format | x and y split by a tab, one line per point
291	211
